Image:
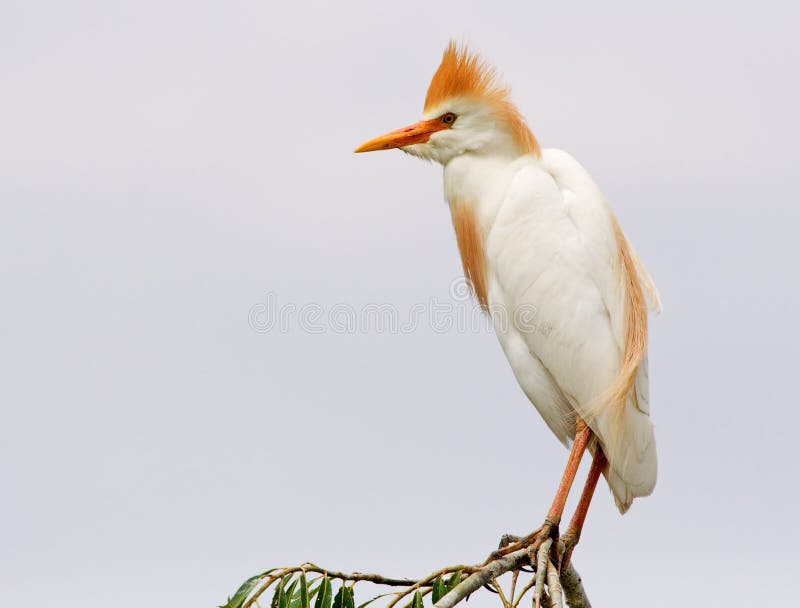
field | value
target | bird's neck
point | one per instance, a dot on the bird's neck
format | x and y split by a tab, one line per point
474	188
479	182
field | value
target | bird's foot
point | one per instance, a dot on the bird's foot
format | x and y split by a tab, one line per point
546	552
508	539
566	545
533	541
510	543
544	556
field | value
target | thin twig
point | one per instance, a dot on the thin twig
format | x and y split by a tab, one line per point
525	590
514	577
270	579
428	580
377	579
506	603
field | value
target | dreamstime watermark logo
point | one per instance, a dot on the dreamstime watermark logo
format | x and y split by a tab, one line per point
458	313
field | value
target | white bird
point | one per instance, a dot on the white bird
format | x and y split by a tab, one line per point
547	260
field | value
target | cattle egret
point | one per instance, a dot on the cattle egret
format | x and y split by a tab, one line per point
536	236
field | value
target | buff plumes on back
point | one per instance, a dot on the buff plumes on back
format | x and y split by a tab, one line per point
638	294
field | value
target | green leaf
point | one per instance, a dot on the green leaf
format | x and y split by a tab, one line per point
278	590
242	592
324	595
279	597
439	590
454	579
339	601
344	598
417	603
304	600
277	594
298	587
287	596
313	589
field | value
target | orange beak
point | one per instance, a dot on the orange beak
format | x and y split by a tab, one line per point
414	134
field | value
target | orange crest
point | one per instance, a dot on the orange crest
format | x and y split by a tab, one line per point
465	74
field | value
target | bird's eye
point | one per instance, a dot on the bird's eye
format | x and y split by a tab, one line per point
448	118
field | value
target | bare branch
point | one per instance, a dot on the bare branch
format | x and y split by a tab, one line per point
541	570
573	588
554	586
428	580
496	585
477	576
485	574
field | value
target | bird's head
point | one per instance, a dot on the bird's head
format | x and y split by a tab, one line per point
467	110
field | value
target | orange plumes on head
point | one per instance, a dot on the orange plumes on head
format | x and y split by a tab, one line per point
462	74
465	74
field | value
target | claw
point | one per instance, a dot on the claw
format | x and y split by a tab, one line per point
508	539
510	542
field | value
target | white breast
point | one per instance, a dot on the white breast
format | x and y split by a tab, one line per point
553	291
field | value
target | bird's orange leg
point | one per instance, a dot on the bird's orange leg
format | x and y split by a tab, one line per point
549	529
543	552
582	436
573	534
553	519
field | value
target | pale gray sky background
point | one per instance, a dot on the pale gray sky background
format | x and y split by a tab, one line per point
164	166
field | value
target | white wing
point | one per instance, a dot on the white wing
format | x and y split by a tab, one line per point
554	248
